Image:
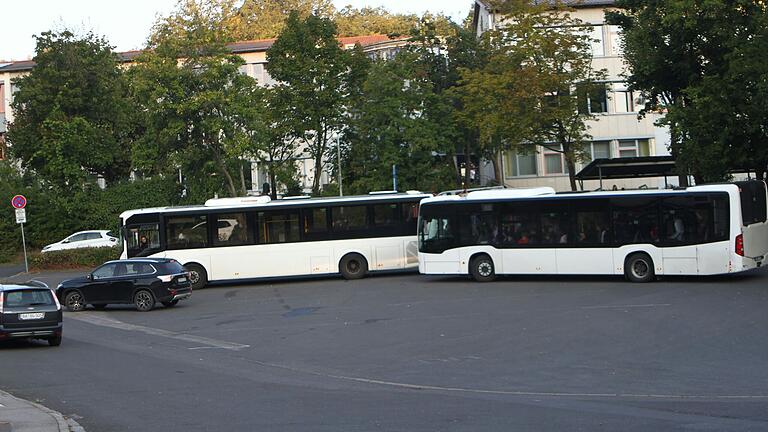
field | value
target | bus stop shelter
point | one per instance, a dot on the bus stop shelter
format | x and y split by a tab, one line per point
624	168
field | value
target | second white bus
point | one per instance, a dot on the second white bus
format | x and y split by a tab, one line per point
700	230
248	238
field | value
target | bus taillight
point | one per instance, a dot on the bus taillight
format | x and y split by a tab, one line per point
740	245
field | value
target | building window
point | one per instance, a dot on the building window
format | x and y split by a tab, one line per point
617	40
627	101
634	148
2	98
554	161
593	100
596	40
520	164
599	150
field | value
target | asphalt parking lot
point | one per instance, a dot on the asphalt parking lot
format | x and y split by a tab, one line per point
415	353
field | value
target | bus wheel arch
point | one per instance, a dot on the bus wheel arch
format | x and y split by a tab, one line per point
482	267
353	266
198	276
639	267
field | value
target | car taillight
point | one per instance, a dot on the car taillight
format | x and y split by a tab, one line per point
166	278
1	302
740	245
56	299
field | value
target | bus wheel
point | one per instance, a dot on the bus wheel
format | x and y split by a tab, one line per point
197	276
481	268
353	266
639	268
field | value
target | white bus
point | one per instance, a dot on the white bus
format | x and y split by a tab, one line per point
700	230
245	238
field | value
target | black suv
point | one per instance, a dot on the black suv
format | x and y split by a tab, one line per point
142	282
30	311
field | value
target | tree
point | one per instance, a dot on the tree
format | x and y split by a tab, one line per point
676	51
195	103
534	87
72	120
315	79
399	120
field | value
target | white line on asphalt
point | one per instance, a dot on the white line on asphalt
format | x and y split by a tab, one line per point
626	395
197	340
627	306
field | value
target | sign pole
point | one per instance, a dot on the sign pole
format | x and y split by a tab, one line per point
24	243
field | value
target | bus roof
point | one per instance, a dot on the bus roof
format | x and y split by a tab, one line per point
548	193
252	203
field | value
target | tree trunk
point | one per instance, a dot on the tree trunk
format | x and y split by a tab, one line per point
272	180
223	168
674	148
497	169
467	165
571	173
242	179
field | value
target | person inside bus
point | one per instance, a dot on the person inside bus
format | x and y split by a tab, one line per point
143	243
678	228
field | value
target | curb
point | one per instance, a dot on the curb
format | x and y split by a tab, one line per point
64	424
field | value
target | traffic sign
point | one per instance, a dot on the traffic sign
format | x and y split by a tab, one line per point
21	215
19	201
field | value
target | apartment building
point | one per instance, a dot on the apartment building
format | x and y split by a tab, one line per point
617	131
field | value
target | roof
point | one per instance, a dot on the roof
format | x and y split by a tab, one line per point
300	202
521	195
634	167
257	45
23	285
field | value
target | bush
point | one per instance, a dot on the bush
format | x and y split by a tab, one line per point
73	258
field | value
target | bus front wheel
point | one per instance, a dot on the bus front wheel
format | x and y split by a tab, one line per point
197	276
353	266
638	267
481	268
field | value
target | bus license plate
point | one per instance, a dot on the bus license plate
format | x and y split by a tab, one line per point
31	316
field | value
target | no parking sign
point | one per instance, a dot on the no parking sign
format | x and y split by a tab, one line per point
19	201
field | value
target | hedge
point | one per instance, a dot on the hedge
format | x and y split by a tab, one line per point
73	258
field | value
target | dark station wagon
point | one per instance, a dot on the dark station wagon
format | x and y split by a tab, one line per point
141	282
30	311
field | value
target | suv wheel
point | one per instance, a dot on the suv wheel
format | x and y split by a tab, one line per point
74	301
55	340
144	301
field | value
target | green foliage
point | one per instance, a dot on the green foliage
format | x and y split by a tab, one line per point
399	120
521	93
52	215
701	63
196	105
73	258
316	79
71	116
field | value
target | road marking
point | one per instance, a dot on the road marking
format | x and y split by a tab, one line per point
616	395
627	306
197	340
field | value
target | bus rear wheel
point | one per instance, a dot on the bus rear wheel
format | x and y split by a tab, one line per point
197	276
353	266
638	267
481	268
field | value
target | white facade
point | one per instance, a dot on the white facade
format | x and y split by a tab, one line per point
617	131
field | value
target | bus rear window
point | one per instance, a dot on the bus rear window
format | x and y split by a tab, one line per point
753	203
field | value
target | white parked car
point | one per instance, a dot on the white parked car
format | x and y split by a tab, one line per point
84	239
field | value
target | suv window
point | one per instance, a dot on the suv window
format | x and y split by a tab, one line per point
30	297
104	272
172	267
